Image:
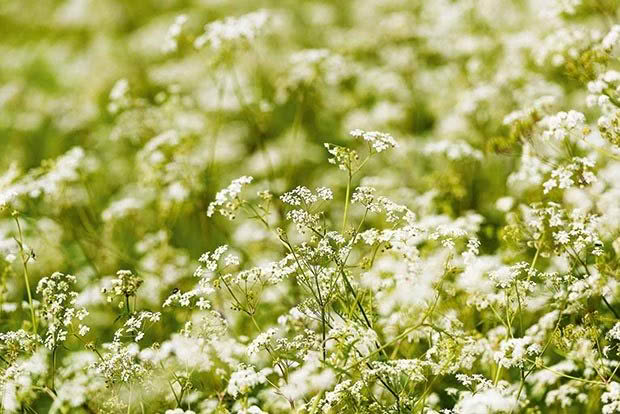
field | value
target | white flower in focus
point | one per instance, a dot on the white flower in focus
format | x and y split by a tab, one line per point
227	200
562	125
380	141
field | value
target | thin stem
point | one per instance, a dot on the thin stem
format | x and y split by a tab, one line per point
585	267
176	398
346	202
324	333
610	307
26	275
255	323
354	294
53	388
563	375
497	373
127	308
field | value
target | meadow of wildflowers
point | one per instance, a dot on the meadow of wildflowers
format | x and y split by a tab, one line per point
310	206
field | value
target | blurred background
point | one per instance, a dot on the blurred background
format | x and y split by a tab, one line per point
120	130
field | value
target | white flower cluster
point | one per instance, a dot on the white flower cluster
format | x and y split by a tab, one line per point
227	200
474	270
506	276
562	125
363	195
602	88
119	96
233	30
48	181
343	390
124	285
486	402
58	307
14	343
261	341
361	337
453	150
345	158
555	8
180	411
304	195
563	43
514	352
577	173
611	398
380	141
209	261
120	364
245	378
611	39
170	42
614	333
539	106
134	327
571	232
122	208
307	66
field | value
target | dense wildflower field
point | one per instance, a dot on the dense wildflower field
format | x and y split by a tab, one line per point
310	206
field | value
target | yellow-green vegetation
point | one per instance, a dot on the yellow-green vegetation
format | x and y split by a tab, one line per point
310	206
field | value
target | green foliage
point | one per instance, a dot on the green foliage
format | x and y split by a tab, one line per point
372	206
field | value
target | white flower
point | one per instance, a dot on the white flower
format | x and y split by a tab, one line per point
562	125
380	141
612	38
514	351
261	341
83	329
233	29
180	411
119	90
170	43
226	200
614	333
122	208
504	204
486	402
452	149
611	398
245	378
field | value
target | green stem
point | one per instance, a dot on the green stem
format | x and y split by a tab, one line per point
127	306
255	323
26	275
499	370
53	388
346	203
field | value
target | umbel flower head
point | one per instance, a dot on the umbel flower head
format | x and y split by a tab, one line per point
462	257
124	285
227	200
380	141
58	307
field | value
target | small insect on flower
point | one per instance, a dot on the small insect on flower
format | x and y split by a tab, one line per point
124	285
